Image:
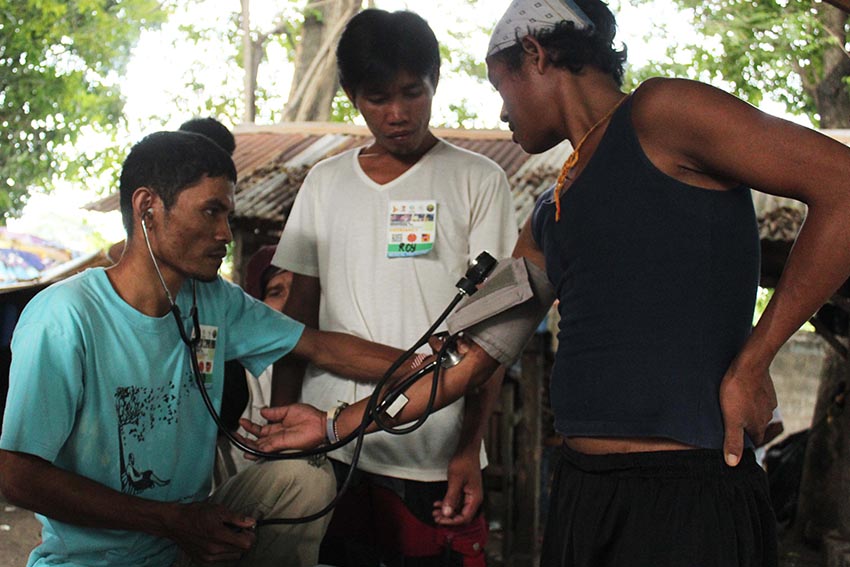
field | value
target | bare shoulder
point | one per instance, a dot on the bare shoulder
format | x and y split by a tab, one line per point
706	137
685	127
660	103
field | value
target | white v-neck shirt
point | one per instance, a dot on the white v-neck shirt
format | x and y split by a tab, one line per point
338	232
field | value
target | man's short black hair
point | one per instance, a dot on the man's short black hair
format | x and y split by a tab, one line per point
167	163
212	129
376	45
572	48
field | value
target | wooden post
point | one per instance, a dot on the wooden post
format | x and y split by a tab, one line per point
529	449
825	486
506	450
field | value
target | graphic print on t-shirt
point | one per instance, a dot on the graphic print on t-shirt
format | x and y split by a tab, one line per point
140	411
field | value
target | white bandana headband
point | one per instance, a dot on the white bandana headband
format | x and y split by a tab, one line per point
524	17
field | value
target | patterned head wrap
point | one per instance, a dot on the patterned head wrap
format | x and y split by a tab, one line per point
524	17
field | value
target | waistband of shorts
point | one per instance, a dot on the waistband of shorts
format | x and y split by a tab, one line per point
689	463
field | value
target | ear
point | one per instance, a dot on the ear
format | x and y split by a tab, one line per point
144	200
535	53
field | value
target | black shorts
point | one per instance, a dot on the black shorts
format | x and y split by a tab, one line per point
660	509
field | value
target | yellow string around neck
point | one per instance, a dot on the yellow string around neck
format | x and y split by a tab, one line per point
573	158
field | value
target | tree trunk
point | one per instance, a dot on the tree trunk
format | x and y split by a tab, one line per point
314	82
830	94
825	485
251	63
822	511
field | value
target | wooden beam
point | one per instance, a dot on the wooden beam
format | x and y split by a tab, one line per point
842	4
825	332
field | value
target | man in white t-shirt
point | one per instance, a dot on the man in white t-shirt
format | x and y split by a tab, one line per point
377	239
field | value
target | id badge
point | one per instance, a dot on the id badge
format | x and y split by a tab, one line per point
205	352
411	228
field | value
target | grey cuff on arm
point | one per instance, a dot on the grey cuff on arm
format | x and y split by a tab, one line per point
502	316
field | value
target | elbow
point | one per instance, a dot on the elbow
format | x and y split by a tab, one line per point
11	482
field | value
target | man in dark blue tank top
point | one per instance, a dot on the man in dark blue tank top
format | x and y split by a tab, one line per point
659	388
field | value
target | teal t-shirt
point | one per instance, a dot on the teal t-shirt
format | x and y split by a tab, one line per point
101	390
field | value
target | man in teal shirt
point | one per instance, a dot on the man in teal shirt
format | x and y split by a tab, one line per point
106	436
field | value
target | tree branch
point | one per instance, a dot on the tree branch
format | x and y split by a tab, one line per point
321	57
839	40
841	4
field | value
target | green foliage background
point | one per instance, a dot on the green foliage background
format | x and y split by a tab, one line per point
781	49
59	64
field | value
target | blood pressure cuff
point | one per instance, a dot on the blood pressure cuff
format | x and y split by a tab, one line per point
502	316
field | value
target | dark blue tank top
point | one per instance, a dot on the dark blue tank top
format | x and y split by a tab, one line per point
657	282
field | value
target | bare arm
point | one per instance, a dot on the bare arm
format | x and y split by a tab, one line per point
476	367
465	491
731	141
347	355
200	528
302	304
303	427
300	426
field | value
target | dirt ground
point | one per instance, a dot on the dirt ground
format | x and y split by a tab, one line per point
20	532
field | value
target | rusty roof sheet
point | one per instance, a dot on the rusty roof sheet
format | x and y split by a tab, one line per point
271	167
273	160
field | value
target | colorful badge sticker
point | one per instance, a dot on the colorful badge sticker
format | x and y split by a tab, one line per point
412	228
206	352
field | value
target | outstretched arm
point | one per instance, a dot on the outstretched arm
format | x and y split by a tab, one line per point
204	531
347	355
339	353
301	426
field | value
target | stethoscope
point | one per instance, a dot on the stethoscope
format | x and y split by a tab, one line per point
377	405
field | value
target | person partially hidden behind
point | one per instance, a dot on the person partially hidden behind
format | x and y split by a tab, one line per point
246	394
117	463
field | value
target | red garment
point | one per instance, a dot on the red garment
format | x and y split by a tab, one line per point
377	514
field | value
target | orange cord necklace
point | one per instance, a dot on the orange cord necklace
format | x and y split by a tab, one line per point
573	158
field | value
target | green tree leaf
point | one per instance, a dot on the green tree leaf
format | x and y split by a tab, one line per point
59	65
793	51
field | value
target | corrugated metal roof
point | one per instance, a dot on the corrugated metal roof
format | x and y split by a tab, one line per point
271	167
273	160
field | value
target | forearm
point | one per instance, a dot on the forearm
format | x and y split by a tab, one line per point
473	371
349	356
818	264
478	407
35	484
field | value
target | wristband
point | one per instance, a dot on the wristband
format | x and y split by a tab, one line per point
330	422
